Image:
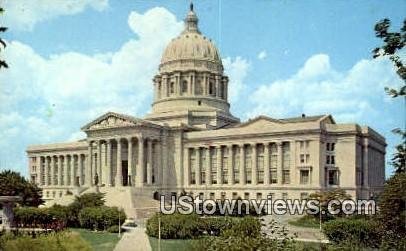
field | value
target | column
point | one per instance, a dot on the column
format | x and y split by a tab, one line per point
141	161
89	173
52	181
218	86
108	164
198	164
99	162
80	160
59	170
119	172
219	166
130	161
242	165
266	164
208	166
294	179
72	171
365	163
225	90
254	164
230	165
187	174
149	162
65	169
41	164
279	164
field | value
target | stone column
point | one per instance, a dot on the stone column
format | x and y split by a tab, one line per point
65	169
225	89
89	173
230	165
52	182
141	161
219	165
198	165
187	173
130	161
254	164
242	165
72	171
149	162
99	162
41	164
60	166
218	86
108	164
80	160
119	172
208	166
266	164
279	163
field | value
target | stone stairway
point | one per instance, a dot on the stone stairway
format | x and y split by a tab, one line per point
144	204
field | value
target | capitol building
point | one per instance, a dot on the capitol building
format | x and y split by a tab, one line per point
190	142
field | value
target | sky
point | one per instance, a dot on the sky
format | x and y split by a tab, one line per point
71	61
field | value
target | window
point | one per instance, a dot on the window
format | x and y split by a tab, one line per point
286	155
260	164
247	196
332	147
172	88
212	88
236	167
192	166
199	102
328	159
201	195
304	176
304	196
259	196
284	196
248	164
203	166
332	160
224	173
212	196
333	177
223	195
285	176
184	86
302	158
235	195
273	174
213	158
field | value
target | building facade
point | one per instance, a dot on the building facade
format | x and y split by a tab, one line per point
191	142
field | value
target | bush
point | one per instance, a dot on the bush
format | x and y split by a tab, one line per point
175	226
58	241
365	233
100	218
53	217
113	229
214	226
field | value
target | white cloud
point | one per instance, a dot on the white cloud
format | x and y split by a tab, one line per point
262	55
25	14
49	99
236	69
317	88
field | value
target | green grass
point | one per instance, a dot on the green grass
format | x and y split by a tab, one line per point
306	221
100	241
172	245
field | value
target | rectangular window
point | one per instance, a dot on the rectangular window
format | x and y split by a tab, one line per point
273	176
235	195
284	196
248	164
302	158
260	164
192	166
332	147
223	195
304	176
236	167
332	160
259	196
285	176
304	196
203	166
247	196
212	196
333	177
327	146
213	153
224	174
328	159
286	155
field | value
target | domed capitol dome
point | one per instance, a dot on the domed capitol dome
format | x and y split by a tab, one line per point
190	87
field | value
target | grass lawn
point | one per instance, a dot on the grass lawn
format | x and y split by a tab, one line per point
306	221
100	241
172	245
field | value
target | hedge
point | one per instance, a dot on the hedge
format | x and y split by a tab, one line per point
100	218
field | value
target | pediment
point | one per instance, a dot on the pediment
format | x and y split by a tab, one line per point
260	122
111	120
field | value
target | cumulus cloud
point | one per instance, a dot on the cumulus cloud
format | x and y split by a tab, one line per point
47	99
236	69
25	14
262	55
355	95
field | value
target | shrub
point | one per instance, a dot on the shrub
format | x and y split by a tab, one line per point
214	226
100	218
113	229
364	232
175	226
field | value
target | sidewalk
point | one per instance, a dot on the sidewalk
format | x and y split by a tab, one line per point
136	240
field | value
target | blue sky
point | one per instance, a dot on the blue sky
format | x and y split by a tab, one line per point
71	61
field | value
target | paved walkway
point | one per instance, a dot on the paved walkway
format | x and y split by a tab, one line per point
135	240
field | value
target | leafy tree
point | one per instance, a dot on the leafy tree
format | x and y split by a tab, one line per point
324	197
13	184
2	43
392	209
393	42
83	201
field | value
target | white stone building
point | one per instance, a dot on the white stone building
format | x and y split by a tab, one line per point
191	142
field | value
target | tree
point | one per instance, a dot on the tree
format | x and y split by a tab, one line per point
86	200
393	42
2	43
392	210
13	184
